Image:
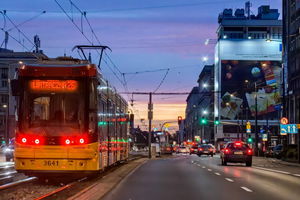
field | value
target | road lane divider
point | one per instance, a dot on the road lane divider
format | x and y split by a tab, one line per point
203	167
296	175
230	180
209	170
246	189
273	170
218	174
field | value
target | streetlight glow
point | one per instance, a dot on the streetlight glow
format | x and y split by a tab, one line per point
204	112
205	85
205	58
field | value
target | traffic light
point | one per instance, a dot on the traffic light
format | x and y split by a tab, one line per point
203	121
179	120
250	140
217	122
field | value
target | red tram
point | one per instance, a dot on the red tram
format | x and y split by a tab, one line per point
69	119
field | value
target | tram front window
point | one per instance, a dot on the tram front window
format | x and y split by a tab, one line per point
53	108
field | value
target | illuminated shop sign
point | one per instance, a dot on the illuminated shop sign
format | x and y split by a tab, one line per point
54	85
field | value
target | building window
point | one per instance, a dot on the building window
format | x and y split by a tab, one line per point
4	73
4	83
4	99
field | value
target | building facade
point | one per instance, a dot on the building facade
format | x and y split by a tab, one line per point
248	58
9	63
291	44
199	110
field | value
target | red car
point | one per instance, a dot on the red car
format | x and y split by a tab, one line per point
237	152
194	149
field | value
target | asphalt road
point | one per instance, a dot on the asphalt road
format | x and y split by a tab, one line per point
186	177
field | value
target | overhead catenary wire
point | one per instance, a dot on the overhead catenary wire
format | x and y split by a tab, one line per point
162	81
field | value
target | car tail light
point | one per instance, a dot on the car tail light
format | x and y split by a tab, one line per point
238	144
226	151
249	152
200	149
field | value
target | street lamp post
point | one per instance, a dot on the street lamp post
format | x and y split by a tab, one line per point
256	128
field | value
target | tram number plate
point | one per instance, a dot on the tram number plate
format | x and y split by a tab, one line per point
51	163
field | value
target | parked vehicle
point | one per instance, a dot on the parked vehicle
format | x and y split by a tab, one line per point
269	151
236	152
9	150
277	151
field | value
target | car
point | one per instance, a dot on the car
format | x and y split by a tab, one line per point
269	151
206	149
194	149
214	148
166	149
278	151
236	152
9	150
182	149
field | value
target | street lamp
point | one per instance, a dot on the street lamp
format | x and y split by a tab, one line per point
204	58
205	85
204	112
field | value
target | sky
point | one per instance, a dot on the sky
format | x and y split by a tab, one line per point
144	35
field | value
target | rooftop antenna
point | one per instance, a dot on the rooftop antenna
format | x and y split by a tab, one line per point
5	39
37	43
248	6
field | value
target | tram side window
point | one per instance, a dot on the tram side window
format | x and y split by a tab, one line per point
93	108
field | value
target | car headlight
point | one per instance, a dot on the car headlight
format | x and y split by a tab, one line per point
7	150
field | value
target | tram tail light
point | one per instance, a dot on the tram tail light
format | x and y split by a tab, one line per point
37	141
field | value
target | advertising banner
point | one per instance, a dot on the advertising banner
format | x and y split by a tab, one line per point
243	81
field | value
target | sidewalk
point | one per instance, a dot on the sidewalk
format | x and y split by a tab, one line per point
275	164
274	161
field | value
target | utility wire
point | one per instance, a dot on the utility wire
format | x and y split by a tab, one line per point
28	20
15	26
161	82
16	40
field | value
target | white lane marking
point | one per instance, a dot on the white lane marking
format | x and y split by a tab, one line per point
272	170
199	165
209	170
203	167
228	179
246	189
296	175
218	174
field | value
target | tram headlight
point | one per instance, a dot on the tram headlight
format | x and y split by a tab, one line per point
81	141
24	140
67	141
36	141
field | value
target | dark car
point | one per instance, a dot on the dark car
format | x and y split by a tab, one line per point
269	152
9	150
236	152
194	149
278	151
206	149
